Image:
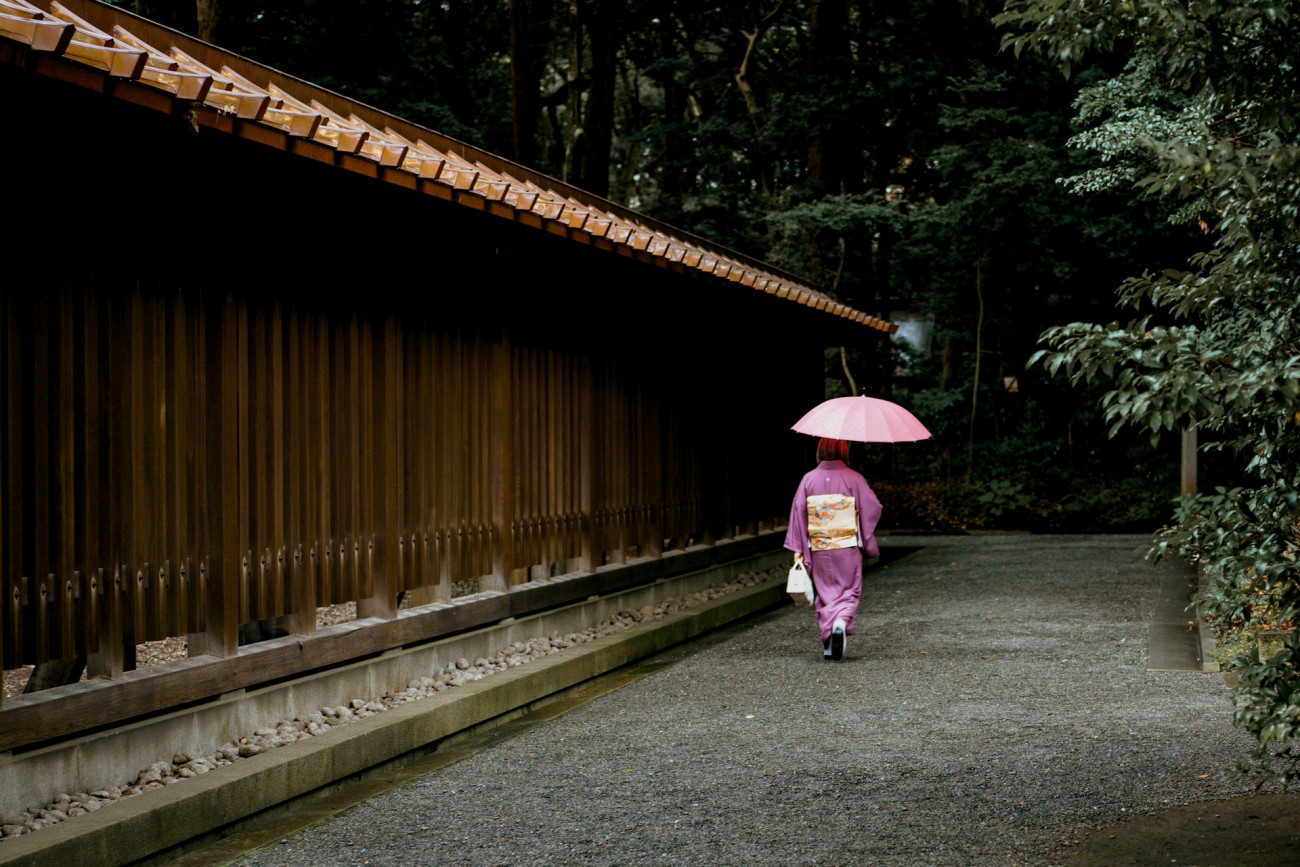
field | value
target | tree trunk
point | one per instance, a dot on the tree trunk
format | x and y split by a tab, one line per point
844	363
975	377
603	23
945	367
525	84
752	38
829	62
209	20
672	183
574	137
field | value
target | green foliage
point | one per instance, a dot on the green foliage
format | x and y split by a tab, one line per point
1268	694
1204	113
999	496
1072	503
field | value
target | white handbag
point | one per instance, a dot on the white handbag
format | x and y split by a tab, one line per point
799	585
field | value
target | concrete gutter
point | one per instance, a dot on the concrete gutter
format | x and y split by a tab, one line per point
1209	642
146	824
1174	639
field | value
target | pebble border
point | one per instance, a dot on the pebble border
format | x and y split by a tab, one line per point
185	765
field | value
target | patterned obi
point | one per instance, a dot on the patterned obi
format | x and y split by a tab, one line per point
832	522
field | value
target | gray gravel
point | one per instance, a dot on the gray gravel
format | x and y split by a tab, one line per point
994	704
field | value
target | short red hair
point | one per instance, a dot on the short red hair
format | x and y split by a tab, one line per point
832	450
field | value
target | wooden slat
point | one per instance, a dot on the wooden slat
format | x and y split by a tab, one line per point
64	518
385	492
221	567
12	508
41	506
309	443
178	490
300	597
153	322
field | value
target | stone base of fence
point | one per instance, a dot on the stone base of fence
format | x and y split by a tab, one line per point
148	823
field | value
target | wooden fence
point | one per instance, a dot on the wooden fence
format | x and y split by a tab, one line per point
181	462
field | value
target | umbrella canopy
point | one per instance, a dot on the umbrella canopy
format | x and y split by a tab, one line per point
863	420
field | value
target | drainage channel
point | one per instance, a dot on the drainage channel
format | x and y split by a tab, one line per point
233	842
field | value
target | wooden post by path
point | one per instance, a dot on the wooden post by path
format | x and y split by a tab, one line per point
1189	462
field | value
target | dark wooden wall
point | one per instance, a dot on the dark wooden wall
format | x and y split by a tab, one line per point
239	385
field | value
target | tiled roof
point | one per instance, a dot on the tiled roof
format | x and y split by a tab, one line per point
330	130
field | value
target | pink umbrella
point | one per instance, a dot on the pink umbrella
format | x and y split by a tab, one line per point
862	419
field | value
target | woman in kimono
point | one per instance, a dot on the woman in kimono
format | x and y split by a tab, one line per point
832	527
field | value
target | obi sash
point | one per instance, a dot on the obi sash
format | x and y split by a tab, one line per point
832	522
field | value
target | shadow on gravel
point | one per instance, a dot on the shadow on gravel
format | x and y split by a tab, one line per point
891	554
1254	831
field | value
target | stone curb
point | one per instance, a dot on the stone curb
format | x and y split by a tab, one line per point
1204	632
151	822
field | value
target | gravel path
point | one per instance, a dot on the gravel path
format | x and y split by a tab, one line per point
994	703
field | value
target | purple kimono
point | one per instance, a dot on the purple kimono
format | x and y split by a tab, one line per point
836	573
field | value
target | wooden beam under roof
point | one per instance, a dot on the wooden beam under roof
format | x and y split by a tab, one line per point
93	47
164	72
25	23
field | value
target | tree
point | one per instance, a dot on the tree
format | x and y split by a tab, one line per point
1204	111
881	150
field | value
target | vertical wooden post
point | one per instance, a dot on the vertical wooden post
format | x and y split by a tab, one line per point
615	467
221	570
43	493
441	458
386	483
299	536
11	502
107	660
1189	462
653	457
501	448
586	433
116	650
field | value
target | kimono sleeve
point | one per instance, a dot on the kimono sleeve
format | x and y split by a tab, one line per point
796	533
869	511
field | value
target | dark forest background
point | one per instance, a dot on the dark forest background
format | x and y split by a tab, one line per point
886	151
